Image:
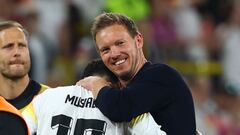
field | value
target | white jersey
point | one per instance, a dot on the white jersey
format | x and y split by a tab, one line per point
70	110
144	125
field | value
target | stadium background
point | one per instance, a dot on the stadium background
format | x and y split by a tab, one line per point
200	38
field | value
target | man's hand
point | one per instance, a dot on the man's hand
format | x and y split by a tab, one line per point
94	84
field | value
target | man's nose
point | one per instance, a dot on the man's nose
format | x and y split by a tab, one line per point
16	50
115	52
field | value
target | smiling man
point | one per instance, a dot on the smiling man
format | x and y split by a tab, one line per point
146	87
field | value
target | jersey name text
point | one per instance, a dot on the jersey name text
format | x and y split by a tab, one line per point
80	102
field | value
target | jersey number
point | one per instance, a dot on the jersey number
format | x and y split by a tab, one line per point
64	125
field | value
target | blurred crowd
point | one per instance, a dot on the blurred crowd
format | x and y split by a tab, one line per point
200	38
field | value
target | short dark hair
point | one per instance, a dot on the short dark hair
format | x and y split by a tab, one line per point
9	24
107	19
97	67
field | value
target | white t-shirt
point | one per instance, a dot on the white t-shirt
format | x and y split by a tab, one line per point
70	110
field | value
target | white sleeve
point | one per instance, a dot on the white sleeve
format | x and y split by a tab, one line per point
145	125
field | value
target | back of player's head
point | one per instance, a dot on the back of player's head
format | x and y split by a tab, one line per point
98	68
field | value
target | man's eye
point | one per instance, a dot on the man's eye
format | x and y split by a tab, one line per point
120	43
8	46
22	45
105	50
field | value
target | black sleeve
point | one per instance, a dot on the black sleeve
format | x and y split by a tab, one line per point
149	91
11	124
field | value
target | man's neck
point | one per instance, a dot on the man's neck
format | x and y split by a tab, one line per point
11	89
124	83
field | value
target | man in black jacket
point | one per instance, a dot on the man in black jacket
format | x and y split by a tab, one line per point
146	87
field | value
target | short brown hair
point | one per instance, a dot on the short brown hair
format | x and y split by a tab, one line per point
9	24
107	19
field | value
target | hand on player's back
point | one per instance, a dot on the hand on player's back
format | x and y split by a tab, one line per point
93	83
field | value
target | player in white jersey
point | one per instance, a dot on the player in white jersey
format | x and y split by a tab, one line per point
70	110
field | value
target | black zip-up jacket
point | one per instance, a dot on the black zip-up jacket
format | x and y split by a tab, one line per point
158	89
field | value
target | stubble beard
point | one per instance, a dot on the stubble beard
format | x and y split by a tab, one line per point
125	76
15	75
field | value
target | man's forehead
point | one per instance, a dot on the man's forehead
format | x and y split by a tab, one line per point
13	34
13	31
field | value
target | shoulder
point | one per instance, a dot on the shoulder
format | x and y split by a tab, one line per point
158	67
159	70
53	91
12	124
44	87
62	91
51	97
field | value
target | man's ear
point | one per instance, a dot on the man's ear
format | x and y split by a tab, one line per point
139	40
